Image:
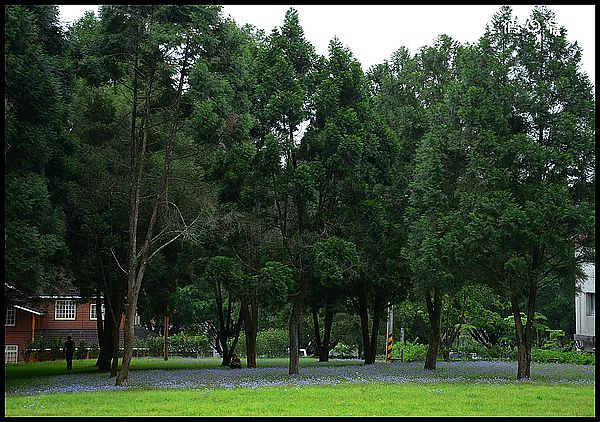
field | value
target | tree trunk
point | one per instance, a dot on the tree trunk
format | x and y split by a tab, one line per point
137	259
524	332
250	329
434	309
115	350
128	334
104	338
317	329
369	353
294	325
377	307
326	348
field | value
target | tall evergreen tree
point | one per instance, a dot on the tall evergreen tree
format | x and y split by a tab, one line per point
531	169
37	148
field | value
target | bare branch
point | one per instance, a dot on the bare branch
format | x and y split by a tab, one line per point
113	254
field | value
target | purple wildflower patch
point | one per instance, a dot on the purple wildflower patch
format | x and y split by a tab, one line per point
488	372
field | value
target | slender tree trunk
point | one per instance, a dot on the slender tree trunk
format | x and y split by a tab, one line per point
138	258
293	330
250	318
317	329
104	338
128	334
524	333
115	350
323	346
434	309
324	357
368	352
377	307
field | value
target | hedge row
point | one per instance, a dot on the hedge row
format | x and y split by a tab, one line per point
415	352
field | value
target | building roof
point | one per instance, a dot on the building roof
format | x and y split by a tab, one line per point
31	309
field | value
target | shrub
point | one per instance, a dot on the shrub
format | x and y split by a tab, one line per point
155	346
41	345
29	354
413	352
56	346
94	350
342	351
81	352
271	343
580	358
189	346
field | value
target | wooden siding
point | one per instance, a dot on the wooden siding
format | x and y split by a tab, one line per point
20	333
82	319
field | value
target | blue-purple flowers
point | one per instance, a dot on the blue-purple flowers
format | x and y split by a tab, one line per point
205	379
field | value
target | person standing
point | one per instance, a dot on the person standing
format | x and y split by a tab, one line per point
69	350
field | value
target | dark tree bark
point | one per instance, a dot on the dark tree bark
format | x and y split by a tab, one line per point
323	346
293	330
104	338
249	309
434	309
369	353
524	332
138	258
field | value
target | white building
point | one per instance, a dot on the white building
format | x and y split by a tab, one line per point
585	310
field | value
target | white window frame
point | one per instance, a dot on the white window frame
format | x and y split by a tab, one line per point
94	306
590	303
10	310
14	352
56	308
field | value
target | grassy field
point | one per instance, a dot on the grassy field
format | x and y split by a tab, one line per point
439	398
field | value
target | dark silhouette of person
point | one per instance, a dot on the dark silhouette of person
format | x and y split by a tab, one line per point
69	350
235	363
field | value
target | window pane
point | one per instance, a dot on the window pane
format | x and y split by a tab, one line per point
10	316
64	309
11	353
93	311
590	303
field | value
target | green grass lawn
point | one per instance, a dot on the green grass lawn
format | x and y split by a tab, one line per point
443	399
342	399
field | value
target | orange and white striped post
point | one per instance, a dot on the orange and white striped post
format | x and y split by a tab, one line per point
389	333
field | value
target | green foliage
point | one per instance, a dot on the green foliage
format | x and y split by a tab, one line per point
276	280
579	358
413	352
342	351
224	271
81	351
189	346
155	345
336	260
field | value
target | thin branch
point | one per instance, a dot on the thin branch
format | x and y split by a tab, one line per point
113	254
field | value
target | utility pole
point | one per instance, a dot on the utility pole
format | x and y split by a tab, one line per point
389	331
166	335
402	343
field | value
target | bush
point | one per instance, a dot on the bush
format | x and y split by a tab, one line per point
580	358
94	350
271	343
495	352
81	352
56	346
189	346
342	351
29	354
41	345
155	346
413	352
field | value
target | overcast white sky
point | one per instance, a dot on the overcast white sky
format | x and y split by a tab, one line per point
373	33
